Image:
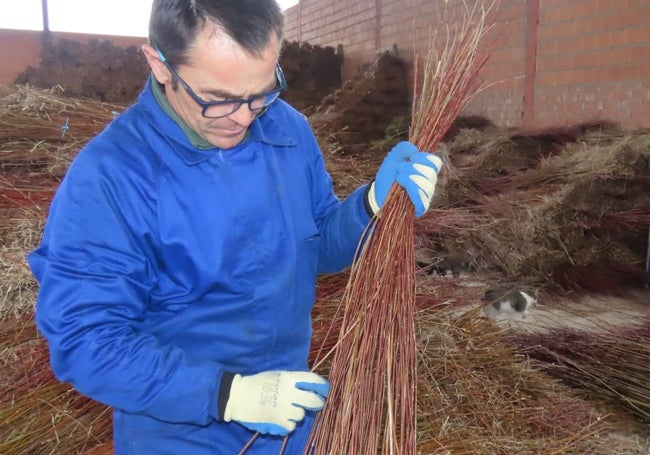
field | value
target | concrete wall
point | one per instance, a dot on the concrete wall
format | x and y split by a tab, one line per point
22	48
556	62
18	50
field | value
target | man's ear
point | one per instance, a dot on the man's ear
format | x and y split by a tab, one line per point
160	71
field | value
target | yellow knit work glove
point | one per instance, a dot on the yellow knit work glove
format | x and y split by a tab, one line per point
273	402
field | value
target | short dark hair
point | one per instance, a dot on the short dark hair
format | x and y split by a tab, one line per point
174	24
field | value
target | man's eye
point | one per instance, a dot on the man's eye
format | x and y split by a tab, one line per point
257	102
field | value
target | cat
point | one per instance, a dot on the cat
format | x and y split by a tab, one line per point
445	265
508	304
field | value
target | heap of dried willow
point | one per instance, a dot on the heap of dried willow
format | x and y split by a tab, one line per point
372	405
476	393
479	396
610	366
561	209
38	414
473	395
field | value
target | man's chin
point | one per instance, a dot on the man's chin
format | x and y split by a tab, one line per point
226	141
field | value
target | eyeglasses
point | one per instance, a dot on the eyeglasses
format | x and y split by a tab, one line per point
218	109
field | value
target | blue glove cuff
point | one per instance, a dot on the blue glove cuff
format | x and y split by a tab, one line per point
265	428
321	389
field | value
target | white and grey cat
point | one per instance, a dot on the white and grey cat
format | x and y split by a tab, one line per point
507	303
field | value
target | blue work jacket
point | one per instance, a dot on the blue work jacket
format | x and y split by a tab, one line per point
162	266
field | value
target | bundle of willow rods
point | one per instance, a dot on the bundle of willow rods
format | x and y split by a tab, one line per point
379	374
372	404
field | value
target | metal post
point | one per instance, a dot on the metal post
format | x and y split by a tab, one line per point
46	18
647	267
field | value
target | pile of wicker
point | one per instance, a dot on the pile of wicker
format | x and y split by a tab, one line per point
542	208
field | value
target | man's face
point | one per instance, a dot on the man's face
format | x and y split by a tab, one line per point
219	69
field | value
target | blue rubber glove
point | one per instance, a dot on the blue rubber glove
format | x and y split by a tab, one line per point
273	402
415	171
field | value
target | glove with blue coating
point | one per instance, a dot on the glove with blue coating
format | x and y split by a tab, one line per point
273	402
415	171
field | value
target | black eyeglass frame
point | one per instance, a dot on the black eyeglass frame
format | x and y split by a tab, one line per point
269	97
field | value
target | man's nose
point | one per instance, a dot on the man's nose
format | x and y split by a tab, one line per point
243	116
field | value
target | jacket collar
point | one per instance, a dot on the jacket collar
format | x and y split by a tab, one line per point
193	149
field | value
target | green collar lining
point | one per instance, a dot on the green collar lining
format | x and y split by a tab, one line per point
196	140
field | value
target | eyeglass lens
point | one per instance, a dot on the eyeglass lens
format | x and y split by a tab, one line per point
255	104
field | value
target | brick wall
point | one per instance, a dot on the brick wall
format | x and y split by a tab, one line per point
593	61
556	62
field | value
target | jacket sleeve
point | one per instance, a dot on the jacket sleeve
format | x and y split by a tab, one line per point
341	223
342	230
96	266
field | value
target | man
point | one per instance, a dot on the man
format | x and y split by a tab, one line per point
178	265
